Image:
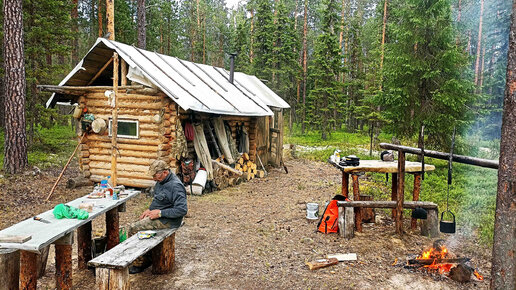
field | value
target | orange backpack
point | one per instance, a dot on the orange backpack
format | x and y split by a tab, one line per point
328	222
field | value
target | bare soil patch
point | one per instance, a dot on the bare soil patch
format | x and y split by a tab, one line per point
256	236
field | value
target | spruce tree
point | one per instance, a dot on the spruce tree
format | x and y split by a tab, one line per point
324	72
426	76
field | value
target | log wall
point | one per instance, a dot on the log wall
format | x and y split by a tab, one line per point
156	115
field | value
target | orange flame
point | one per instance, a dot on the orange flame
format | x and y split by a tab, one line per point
479	277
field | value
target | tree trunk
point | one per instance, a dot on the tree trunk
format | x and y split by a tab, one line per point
251	52
15	159
482	71
142	30
479	41
305	51
110	16
459	12
503	271
75	29
99	18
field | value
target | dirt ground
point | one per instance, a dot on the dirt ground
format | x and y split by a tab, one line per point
256	236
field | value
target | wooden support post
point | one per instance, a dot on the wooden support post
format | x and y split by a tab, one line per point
163	256
28	270
345	184
430	226
394	191
108	279
42	261
84	245
114	124
400	196
112	231
9	269
63	259
415	196
123	80
356	196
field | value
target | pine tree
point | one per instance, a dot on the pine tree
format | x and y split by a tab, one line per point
263	45
425	73
325	71
15	146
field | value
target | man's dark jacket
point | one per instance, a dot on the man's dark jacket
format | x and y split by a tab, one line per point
170	198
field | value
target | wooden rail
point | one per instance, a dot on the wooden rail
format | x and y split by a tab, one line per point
444	156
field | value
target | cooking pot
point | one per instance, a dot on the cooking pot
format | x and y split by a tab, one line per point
419	213
447	227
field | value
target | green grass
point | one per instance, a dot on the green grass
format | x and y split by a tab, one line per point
472	196
51	147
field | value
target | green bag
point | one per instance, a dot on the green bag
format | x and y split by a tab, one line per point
123	235
65	211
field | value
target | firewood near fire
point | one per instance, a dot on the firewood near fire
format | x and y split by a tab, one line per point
438	261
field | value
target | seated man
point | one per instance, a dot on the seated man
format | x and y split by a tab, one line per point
167	209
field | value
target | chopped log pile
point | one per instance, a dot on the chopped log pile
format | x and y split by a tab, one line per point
225	175
248	168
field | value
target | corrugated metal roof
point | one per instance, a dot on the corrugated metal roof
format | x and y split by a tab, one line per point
192	86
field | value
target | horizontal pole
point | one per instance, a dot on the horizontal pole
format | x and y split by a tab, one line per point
387	204
58	89
444	156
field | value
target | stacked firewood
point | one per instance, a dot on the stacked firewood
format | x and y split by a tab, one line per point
248	168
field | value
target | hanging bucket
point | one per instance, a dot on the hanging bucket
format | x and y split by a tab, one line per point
312	211
447	227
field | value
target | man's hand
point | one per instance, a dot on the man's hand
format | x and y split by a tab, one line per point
152	214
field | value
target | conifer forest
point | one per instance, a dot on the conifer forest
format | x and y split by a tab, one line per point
385	66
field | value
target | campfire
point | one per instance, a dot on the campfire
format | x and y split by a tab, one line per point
439	260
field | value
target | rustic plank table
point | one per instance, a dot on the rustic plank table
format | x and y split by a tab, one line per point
60	233
380	166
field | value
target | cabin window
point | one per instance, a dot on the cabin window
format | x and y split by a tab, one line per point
126	128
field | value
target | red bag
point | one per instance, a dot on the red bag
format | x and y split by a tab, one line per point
328	222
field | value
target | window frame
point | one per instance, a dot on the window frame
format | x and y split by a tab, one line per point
110	123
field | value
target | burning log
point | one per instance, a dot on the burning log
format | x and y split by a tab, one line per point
422	262
461	273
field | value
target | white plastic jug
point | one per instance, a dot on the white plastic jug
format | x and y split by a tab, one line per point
312	211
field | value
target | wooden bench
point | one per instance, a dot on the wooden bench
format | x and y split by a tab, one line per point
346	220
112	267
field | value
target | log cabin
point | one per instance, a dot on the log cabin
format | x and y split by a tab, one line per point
152	97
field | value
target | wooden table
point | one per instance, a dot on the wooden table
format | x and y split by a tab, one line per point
60	233
387	167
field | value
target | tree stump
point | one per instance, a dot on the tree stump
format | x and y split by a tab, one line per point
430	226
368	214
112	278
461	273
163	256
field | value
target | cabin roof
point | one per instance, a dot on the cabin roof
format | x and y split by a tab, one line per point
192	86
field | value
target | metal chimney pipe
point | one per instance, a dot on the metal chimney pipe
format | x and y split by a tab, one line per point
232	66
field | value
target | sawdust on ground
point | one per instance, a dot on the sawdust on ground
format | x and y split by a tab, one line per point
256	236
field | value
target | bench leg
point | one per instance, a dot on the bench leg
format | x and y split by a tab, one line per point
9	269
111	279
163	256
28	270
430	226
